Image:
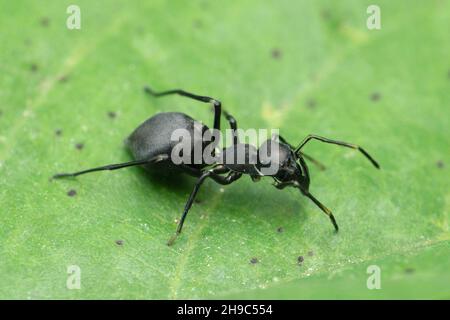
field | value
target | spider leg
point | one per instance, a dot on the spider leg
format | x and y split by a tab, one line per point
340	143
224	180
323	208
113	166
307	157
216	103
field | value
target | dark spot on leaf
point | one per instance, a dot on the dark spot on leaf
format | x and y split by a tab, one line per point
300	259
63	78
310	253
119	242
34	67
276	53
440	164
45	21
311	103
325	14
197	201
79	146
254	260
198	24
71	193
204	4
409	270
375	96
112	114
280	229
58	132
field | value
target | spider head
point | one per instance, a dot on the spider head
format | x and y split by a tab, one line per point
277	159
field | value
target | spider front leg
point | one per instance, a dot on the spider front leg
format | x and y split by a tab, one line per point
316	162
339	143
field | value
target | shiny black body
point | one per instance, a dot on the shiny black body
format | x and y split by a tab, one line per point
153	138
151	146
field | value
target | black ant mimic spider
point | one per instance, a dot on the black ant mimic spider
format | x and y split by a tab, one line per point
151	146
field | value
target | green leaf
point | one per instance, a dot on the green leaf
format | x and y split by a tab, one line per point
68	99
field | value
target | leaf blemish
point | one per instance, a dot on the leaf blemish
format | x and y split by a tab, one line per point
58	132
63	78
72	193
440	164
375	96
198	24
311	104
254	260
34	67
310	253
300	260
409	270
325	14
112	114
119	242
45	22
79	146
140	30
280	229
277	54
